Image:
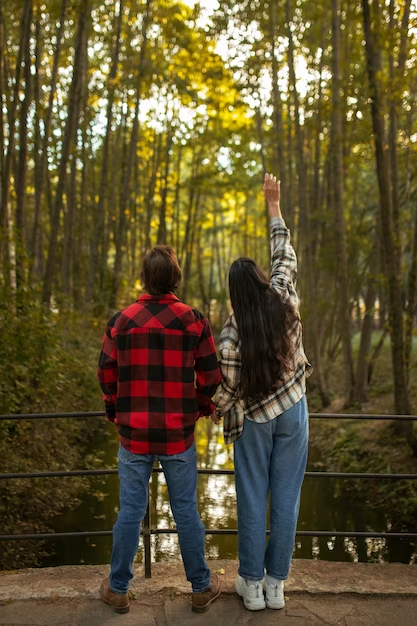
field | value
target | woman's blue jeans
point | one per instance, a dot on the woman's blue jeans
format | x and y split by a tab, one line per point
181	476
270	459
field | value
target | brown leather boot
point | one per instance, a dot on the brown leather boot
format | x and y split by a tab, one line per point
202	600
119	603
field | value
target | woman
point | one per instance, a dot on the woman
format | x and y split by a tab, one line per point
262	399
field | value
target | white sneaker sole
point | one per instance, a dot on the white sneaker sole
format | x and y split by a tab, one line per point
272	601
275	604
255	604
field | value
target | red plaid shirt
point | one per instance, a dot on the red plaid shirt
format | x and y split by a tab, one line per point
158	371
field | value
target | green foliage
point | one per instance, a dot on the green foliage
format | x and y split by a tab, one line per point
49	359
47	364
350	446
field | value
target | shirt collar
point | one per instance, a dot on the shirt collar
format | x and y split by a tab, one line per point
166	297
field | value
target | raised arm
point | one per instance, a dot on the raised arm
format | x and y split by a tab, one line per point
283	257
272	194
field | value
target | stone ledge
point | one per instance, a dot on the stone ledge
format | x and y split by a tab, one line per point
314	577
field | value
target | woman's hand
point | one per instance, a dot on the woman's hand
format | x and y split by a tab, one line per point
214	418
272	194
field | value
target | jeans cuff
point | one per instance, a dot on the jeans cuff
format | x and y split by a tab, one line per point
120	593
204	587
254	578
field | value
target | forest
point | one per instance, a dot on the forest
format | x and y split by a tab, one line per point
127	123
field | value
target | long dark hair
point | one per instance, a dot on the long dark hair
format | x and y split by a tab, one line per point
264	320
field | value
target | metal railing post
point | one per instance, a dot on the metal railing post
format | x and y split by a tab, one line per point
147	540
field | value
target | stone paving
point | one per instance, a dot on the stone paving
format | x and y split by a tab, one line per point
318	592
301	609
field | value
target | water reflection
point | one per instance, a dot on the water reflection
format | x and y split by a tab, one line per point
325	504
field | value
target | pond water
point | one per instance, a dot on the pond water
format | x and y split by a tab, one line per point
326	504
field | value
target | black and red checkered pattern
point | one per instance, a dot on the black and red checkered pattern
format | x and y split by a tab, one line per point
158	370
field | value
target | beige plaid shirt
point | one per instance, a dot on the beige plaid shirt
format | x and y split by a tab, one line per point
293	386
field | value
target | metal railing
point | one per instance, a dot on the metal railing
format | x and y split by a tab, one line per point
148	531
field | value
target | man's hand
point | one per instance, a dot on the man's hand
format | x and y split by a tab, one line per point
214	418
272	194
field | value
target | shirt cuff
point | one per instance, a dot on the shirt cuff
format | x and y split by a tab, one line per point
110	411
204	411
277	221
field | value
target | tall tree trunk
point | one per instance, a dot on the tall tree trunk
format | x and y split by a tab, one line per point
150	198
125	187
279	133
68	243
7	168
162	228
410	311
34	267
411	304
69	134
304	209
100	211
177	200
389	247
42	161
337	201
362	369
22	160
261	141
80	244
186	274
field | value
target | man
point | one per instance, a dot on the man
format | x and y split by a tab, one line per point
158	371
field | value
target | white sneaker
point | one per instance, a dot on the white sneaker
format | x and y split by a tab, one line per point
253	595
274	595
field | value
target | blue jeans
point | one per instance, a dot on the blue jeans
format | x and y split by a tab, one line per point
181	476
270	459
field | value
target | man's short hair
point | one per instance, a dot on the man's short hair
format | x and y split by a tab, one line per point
161	272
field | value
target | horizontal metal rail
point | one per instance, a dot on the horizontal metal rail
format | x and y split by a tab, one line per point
147	530
342	416
109	472
210	531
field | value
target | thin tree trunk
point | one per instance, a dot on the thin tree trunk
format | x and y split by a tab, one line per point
190	248
396	75
3	240
12	110
34	267
362	368
22	160
125	187
411	304
68	244
200	269
337	198
261	142
304	210
150	201
390	250
279	158
100	210
69	134
410	311
43	159
177	201
162	228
